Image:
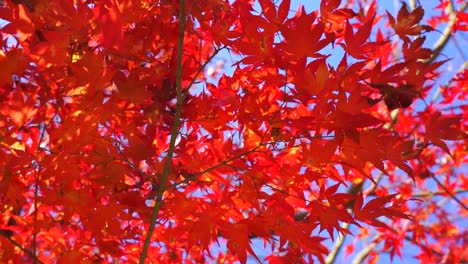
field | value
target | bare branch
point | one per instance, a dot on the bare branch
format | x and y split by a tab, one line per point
431	194
447	33
186	89
364	252
412	4
439	91
338	245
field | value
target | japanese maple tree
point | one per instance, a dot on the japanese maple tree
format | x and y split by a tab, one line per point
336	133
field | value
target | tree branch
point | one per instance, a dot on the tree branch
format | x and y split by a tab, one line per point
430	194
447	34
28	252
439	91
174	134
450	193
364	253
223	163
186	89
338	246
412	4
354	189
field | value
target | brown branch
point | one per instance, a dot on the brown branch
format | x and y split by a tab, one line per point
229	160
460	50
450	193
447	33
36	195
366	251
28	252
36	190
174	134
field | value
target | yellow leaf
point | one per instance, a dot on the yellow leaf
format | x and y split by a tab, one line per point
78	91
17	146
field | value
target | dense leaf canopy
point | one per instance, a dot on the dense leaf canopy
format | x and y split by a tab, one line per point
200	131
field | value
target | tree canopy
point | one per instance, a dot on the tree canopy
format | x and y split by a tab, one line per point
185	131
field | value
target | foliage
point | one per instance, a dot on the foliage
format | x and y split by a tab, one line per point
121	139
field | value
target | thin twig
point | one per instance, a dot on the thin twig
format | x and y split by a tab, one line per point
186	89
450	193
429	249
28	252
174	134
223	163
460	50
431	194
412	4
36	193
439	91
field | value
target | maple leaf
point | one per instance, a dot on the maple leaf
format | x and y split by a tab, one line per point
414	50
130	88
11	62
400	97
239	242
375	209
361	120
440	128
21	24
330	215
406	22
333	16
21	108
310	42
356	44
275	17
